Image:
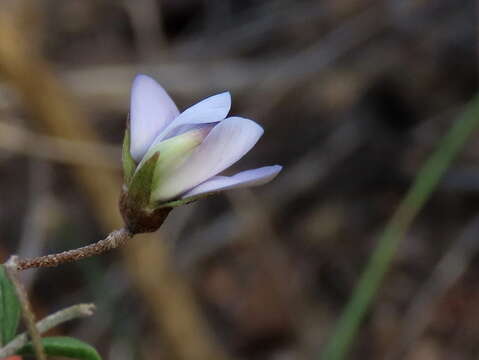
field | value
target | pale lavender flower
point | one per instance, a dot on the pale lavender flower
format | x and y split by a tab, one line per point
171	158
203	140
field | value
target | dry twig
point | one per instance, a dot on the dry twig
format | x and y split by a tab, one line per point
28	317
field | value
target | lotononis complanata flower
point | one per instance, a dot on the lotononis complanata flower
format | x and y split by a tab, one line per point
172	158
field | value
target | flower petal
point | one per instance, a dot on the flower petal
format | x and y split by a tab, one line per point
226	143
151	110
246	178
212	109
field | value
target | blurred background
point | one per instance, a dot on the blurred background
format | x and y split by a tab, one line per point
353	96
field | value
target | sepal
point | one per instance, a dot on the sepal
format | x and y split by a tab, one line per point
129	164
136	208
185	201
139	190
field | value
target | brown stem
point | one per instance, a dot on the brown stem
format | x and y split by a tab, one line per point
112	241
29	318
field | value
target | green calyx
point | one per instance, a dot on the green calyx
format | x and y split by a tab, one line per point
143	179
179	202
140	187
140	210
126	158
137	179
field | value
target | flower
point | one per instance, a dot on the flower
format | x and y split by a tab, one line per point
171	158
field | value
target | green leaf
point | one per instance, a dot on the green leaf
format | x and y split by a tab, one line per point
126	158
64	346
140	187
9	309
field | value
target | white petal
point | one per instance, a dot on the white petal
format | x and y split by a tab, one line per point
246	178
151	110
212	109
226	143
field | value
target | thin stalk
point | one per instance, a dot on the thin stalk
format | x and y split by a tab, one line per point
27	313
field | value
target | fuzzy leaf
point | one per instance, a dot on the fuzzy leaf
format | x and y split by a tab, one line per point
64	346
126	158
9	309
140	186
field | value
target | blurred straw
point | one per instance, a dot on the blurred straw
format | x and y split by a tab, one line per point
447	272
270	256
171	302
147	26
425	183
51	105
38	215
17	139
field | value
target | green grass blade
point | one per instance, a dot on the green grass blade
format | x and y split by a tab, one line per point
426	181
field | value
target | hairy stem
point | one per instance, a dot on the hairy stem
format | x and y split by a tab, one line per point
112	241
